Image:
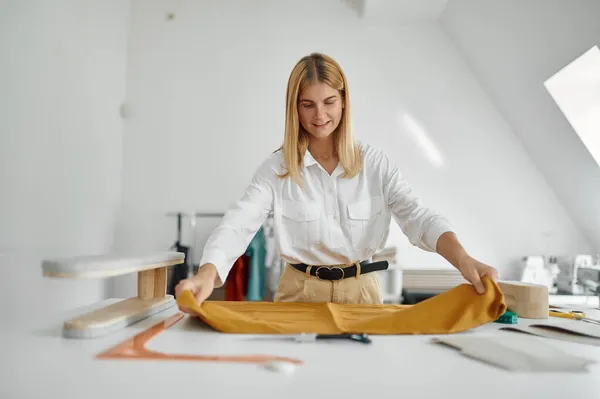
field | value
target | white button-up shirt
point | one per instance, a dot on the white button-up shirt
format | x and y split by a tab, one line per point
331	221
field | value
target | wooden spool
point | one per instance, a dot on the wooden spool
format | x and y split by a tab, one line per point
527	300
151	289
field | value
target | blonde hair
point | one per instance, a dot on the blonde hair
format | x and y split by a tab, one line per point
318	68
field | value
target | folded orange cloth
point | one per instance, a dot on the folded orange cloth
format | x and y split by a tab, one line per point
456	310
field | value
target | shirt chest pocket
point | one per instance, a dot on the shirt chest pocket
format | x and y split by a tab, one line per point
301	222
364	220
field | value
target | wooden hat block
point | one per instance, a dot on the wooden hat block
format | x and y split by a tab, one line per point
526	300
151	296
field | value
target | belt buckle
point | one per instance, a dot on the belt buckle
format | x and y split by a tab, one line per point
330	268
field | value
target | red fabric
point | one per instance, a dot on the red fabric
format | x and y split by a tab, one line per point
236	285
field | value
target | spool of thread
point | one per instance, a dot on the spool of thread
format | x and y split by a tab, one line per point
526	300
508	318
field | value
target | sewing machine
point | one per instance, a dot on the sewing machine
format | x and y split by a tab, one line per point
568	282
588	276
539	271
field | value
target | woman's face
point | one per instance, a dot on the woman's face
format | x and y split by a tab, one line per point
320	109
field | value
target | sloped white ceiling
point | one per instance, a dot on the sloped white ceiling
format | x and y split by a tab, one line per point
398	10
513	47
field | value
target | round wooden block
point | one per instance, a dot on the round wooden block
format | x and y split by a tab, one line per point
527	300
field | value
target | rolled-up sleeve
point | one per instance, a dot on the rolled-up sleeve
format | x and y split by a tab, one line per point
230	239
422	226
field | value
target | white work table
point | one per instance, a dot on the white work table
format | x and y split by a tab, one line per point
38	362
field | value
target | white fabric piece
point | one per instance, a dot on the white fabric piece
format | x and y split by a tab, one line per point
517	353
333	220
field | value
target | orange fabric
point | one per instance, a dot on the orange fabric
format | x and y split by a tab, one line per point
236	284
456	310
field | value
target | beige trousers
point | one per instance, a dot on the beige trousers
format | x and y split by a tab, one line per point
296	286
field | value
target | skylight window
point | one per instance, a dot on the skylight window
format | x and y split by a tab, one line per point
576	91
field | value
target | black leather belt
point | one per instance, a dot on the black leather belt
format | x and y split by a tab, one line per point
334	273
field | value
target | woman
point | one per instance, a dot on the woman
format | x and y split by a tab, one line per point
332	200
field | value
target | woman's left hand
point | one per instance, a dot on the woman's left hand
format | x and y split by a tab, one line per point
473	271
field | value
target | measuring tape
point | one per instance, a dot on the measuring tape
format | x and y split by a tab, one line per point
135	348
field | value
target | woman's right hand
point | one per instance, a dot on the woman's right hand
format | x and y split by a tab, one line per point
201	285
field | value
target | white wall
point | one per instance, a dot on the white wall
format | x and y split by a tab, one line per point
62	79
513	47
207	90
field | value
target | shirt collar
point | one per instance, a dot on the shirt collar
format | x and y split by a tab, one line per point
309	159
338	171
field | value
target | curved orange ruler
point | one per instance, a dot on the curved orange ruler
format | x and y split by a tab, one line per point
135	348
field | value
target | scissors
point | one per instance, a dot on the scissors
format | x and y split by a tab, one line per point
574	314
305	337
